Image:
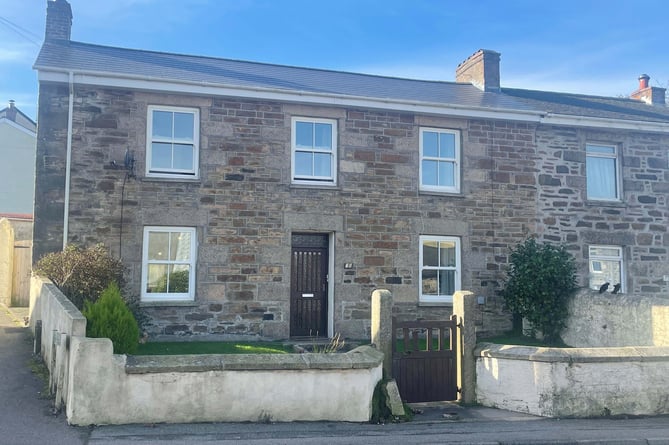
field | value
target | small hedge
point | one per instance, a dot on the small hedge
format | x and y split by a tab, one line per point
81	274
109	317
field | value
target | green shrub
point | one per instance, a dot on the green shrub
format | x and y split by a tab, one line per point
179	282
81	274
109	317
540	282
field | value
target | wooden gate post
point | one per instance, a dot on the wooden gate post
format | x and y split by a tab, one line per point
382	327
465	307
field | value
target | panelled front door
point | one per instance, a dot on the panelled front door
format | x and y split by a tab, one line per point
309	285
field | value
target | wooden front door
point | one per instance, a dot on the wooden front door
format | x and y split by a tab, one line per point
309	285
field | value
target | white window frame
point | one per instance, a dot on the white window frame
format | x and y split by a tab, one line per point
616	160
185	296
458	268
456	161
330	180
173	173
595	266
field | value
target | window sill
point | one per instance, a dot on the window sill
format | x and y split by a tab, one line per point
435	304
315	186
443	194
165	303
605	203
175	179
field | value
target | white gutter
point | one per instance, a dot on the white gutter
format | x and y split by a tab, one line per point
152	83
603	122
68	160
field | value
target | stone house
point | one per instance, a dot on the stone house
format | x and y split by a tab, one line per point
257	199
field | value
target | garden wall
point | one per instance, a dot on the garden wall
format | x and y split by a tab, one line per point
99	387
117	389
607	320
60	321
579	382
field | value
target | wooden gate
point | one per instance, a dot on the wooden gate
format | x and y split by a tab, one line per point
22	269
309	285
425	355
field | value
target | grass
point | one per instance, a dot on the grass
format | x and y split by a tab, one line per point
39	369
422	344
212	347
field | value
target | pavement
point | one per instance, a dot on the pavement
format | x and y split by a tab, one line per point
26	411
27	417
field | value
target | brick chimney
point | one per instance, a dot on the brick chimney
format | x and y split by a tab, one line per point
58	20
650	95
481	69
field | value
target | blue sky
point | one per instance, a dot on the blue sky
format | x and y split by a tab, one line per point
592	47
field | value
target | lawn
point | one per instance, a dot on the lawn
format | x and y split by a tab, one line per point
213	347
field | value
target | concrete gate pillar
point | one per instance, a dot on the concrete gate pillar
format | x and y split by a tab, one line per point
382	327
465	307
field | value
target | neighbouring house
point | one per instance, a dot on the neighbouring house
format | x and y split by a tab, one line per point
259	199
17	174
17	143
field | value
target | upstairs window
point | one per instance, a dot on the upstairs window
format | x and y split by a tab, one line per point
314	151
606	266
168	264
439	160
172	142
602	172
440	268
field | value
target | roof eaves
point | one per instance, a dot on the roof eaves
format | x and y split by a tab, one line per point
600	122
159	84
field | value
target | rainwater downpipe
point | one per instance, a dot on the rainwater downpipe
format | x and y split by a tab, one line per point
68	160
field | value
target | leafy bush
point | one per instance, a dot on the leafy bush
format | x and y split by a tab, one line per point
109	317
540	282
81	274
179	281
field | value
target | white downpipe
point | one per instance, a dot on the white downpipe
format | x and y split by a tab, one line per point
68	161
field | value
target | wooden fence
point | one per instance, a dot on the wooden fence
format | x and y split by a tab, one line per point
15	267
21	276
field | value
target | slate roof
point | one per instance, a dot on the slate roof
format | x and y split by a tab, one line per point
65	55
591	106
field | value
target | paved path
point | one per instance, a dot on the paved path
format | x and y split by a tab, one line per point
25	416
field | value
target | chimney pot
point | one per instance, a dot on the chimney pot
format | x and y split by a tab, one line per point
648	94
10	112
643	81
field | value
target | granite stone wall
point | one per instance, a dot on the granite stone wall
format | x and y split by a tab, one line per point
638	223
516	180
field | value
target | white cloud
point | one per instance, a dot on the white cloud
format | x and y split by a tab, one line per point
12	55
